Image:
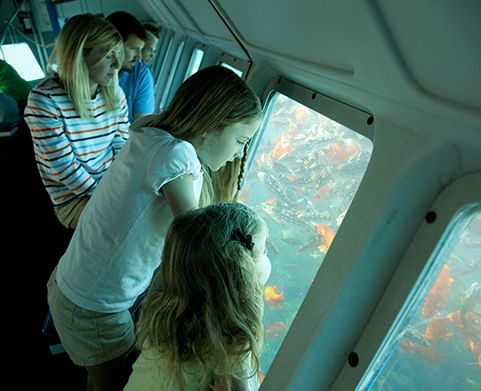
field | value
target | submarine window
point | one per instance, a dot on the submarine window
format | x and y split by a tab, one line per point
21	57
435	342
171	62
195	61
302	179
238	72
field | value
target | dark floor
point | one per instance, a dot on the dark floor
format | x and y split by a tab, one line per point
32	242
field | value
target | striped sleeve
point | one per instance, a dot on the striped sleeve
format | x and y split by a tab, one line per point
57	163
122	132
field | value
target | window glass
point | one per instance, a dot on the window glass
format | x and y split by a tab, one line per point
302	179
20	56
436	342
178	47
238	72
194	63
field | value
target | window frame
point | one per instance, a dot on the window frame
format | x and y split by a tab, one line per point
198	47
235	62
170	62
452	202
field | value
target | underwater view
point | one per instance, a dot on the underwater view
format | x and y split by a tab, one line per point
437	346
306	172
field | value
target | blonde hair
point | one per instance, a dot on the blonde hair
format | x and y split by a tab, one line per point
205	304
78	36
209	101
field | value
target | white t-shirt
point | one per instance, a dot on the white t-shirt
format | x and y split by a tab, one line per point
150	370
118	242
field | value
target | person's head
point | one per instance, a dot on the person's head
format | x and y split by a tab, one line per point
133	35
13	85
9	114
217	112
205	301
150	47
87	55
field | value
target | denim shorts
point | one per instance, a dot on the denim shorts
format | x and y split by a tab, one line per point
89	337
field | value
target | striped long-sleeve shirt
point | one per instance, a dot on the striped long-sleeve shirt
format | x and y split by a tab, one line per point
73	153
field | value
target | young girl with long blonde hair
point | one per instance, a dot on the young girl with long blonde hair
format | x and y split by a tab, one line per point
200	326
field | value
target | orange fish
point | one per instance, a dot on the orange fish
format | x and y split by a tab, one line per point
291	178
295	134
322	193
455	317
301	113
438	330
273	296
271	201
475	347
429	353
437	296
327	235
281	148
341	153
463	328
275	330
261	376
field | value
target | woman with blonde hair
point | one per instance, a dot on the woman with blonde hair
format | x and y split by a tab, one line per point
78	116
188	156
200	326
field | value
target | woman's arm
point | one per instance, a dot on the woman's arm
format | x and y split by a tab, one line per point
53	150
122	132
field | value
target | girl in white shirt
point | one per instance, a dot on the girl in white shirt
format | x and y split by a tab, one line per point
201	322
186	157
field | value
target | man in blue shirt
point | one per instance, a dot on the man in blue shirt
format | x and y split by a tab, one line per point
135	78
